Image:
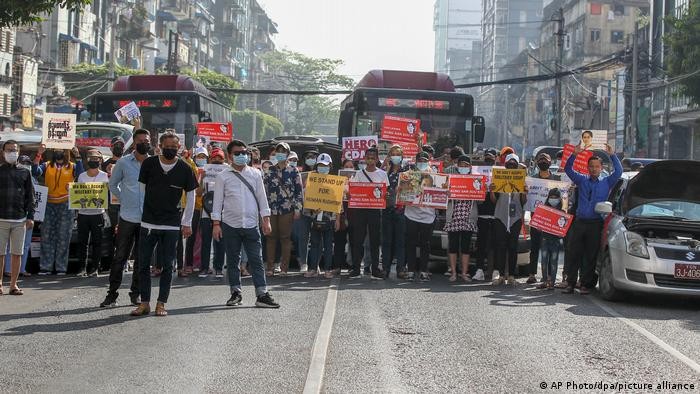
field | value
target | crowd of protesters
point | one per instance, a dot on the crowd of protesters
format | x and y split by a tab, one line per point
229	207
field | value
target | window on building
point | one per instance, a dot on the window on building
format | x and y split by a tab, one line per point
595	35
7	41
619	10
596	8
617	36
7	69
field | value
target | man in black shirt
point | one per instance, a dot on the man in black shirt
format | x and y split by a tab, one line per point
165	178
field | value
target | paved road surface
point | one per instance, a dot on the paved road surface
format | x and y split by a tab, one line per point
384	337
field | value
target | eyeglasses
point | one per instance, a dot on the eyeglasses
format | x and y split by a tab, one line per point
240	152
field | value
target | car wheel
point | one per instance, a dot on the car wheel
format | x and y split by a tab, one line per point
606	283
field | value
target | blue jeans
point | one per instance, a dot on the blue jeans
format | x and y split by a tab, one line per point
166	240
300	234
321	239
550	258
219	250
25	255
393	240
236	239
56	231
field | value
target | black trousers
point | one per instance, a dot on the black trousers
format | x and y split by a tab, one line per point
506	245
127	239
108	255
584	243
484	241
189	244
90	229
340	239
535	242
418	235
364	221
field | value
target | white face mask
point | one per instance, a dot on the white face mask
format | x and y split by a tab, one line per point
11	157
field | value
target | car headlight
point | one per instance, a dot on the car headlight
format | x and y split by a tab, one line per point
636	246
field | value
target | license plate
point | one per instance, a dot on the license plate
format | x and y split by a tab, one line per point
687	271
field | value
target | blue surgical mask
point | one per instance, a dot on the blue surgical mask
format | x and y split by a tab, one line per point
201	162
291	163
362	166
422	166
310	162
240	160
281	156
396	160
554	201
464	170
324	170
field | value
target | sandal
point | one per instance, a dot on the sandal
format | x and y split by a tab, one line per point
466	277
453	278
16	292
542	285
160	309
141	310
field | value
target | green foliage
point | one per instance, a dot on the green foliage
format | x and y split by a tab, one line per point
213	79
25	12
85	79
296	71
684	57
267	126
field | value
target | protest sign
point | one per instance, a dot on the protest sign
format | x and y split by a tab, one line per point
581	161
468	187
436	166
347	173
483	170
88	195
41	193
211	171
58	131
399	129
508	181
423	189
367	195
591	139
324	192
354	147
538	189
222	132
551	221
127	113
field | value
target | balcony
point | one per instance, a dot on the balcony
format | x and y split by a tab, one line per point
5	79
179	8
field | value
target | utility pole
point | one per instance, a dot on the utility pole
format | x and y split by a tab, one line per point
667	120
635	88
112	44
560	67
255	106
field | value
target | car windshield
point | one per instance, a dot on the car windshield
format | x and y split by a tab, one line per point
685	210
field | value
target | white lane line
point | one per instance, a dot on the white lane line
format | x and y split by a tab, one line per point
660	343
314	377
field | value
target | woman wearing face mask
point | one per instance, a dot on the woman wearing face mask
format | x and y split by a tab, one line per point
419	229
509	220
201	159
393	219
340	237
302	226
26	163
461	223
310	158
91	221
551	245
58	220
321	229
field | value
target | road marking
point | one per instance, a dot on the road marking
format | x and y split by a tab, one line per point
660	343
314	377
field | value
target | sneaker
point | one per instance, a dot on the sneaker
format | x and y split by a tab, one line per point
511	281
203	274
479	275
377	275
328	275
219	274
310	274
401	275
44	273
448	272
410	276
277	269
424	277
134	298
355	274
235	300
81	274
60	274
568	290
266	301
109	302
304	268
498	281
92	274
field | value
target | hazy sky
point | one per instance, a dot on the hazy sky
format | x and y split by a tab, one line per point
365	34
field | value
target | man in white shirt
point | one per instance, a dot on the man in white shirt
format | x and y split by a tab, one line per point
239	202
91	220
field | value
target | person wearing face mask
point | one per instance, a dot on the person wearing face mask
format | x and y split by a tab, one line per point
321	229
124	185
367	221
24	162
254	157
117	147
293	160
163	179
58	220
16	212
216	166
310	158
485	228
451	167
201	159
461	217
509	219
544	162
283	185
550	246
91	220
393	219
302	226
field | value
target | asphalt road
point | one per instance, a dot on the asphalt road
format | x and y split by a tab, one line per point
381	337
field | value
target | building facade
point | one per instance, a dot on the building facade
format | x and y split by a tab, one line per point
457	26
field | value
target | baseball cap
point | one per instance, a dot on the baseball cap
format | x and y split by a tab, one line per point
512	156
217	152
464	158
507	150
544	155
117	139
422	156
292	155
284	146
200	151
324	158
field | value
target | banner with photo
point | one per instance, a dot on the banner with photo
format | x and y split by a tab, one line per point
551	221
467	187
423	189
538	189
88	195
398	129
367	195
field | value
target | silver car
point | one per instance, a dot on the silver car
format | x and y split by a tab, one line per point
651	237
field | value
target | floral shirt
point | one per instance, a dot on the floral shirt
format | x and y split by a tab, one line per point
391	190
283	190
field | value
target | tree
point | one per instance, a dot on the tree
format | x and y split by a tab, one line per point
268	126
212	79
296	71
25	12
85	79
684	58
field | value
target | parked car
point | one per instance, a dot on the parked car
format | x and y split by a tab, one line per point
651	237
300	144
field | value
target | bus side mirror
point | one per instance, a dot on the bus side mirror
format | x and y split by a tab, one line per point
345	121
478	128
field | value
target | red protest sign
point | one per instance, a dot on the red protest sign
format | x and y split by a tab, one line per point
437	166
367	195
551	221
468	187
410	150
215	131
354	147
399	129
581	161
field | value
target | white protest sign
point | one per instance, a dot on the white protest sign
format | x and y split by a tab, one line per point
538	190
354	147
483	170
127	113
41	193
593	139
211	171
58	131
